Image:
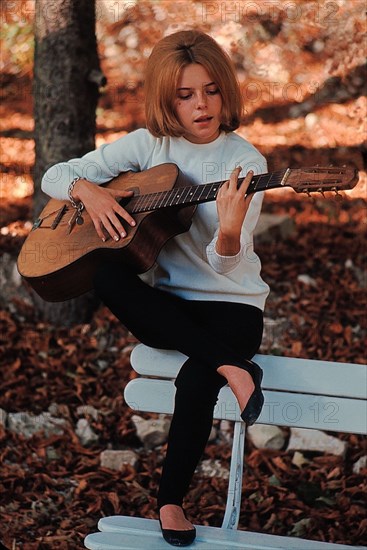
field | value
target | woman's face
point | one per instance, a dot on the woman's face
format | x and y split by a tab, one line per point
198	104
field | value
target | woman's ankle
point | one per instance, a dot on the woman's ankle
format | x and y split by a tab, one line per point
240	382
172	516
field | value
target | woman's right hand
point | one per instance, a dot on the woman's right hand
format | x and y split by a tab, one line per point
103	208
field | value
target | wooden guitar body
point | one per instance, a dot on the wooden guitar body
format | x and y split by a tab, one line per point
60	265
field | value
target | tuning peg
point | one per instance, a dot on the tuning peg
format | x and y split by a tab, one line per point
306	192
321	192
337	196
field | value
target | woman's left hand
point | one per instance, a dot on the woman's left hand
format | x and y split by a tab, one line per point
232	206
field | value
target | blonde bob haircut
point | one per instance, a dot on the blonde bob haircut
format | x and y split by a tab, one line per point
169	56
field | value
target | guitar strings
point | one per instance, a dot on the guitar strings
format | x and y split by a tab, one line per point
177	196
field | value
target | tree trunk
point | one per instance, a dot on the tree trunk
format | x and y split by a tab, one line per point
65	98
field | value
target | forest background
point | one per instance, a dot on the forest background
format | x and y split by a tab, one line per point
301	65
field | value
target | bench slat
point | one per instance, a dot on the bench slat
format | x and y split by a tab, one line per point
280	373
338	414
123	533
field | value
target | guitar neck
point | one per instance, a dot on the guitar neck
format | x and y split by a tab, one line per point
195	194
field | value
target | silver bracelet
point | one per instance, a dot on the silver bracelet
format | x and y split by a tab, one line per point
78	206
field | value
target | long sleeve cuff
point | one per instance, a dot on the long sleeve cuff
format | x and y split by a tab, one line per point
222	264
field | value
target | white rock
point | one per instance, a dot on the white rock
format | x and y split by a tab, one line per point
264	436
360	274
87	410
59	410
307	280
85	433
116	460
52	453
29	424
226	431
212	468
304	439
152	432
300	527
349	263
3	416
361	464
299	460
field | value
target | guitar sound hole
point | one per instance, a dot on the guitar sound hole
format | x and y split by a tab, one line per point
124	201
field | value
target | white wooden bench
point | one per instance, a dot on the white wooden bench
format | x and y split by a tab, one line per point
298	392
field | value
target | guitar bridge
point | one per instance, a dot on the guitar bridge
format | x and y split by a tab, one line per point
60	214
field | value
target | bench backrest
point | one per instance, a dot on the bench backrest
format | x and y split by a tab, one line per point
305	393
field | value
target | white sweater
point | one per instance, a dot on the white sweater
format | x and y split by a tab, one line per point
188	265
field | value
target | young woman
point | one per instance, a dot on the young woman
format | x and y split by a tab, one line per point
205	296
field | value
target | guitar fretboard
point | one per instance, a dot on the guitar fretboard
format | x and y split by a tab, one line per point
195	194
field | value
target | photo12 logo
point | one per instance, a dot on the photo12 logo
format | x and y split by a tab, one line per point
293	412
290	11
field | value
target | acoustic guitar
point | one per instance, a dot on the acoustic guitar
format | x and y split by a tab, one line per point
62	252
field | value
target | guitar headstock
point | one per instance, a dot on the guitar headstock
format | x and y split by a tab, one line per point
320	179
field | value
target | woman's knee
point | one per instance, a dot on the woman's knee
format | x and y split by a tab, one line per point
197	380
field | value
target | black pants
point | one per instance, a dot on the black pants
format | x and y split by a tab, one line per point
210	333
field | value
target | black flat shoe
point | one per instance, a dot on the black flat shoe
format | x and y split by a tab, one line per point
178	538
253	408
